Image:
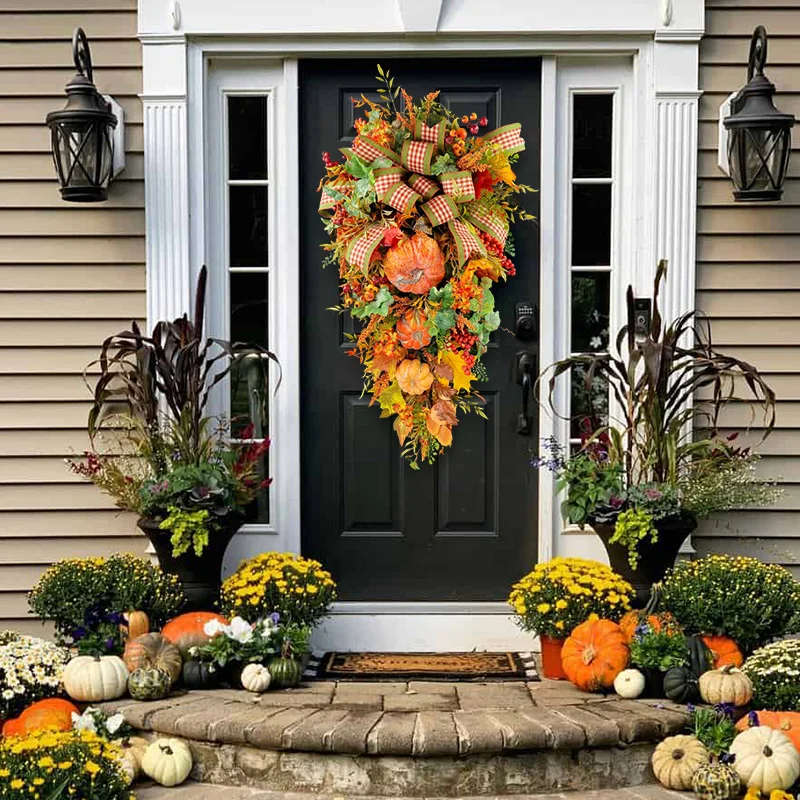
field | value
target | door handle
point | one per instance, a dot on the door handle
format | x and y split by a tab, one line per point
525	369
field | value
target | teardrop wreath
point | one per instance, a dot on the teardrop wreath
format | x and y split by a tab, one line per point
418	212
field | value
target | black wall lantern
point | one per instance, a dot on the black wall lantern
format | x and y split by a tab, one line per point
83	133
759	136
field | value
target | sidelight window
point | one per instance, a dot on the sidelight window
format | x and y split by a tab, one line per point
591	259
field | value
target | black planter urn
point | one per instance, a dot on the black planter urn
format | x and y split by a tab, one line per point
199	575
655	558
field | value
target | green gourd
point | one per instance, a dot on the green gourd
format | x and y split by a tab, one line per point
681	684
285	672
149	684
717	781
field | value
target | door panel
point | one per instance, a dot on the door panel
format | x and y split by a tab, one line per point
465	528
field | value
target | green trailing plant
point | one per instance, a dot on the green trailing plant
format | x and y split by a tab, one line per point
188	529
633	526
735	596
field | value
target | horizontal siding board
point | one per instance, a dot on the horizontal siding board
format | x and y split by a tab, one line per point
44	194
45	549
33	360
741	219
87	524
70	305
17	578
85	6
71	222
63	333
733	50
39	166
117	53
30	626
67	497
14	604
782	550
780	22
42	443
35	469
73	278
36	138
747	247
61	24
717	190
785	443
25	416
766	524
719	78
777	468
788	102
33	110
758	304
742	415
71	250
35	388
51	82
786	387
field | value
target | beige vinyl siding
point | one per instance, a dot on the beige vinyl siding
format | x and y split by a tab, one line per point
70	275
748	270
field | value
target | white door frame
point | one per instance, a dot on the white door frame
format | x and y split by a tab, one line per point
663	108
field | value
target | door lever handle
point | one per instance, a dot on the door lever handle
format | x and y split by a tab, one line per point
525	369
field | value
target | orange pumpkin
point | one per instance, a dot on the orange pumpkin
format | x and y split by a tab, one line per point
186	630
414	265
153	651
595	654
649	615
414	377
412	330
723	651
787	722
54	712
136	624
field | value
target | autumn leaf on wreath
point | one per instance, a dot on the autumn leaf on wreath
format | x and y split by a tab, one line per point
390	397
461	380
380	305
402	429
444	412
383	363
443	371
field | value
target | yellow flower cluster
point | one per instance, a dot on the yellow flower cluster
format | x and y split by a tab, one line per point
560	594
82	763
297	588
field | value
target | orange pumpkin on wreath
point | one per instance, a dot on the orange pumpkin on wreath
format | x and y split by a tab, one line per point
594	654
414	377
724	651
412	330
414	265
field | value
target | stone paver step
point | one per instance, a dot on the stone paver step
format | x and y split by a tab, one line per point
198	791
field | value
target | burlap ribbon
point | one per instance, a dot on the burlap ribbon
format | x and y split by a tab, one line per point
449	199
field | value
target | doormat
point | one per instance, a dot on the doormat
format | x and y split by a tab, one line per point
424	666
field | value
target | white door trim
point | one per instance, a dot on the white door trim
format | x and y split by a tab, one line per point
175	77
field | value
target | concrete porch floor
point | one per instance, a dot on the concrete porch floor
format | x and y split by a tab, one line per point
414	739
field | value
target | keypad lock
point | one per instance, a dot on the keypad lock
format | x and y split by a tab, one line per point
525	321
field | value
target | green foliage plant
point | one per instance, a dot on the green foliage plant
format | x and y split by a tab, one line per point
658	650
736	596
713	726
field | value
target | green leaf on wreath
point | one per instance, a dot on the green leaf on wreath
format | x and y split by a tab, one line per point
445	163
357	167
380	305
390	397
445	320
492	321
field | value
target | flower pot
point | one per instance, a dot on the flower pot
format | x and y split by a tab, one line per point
199	575
654	558
653	682
551	658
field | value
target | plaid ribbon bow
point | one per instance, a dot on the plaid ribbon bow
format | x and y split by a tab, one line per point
449	200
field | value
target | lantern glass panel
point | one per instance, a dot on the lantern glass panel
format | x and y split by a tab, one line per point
758	158
84	155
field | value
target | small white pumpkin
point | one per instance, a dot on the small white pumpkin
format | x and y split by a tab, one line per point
629	683
765	759
725	685
167	761
92	679
676	759
256	678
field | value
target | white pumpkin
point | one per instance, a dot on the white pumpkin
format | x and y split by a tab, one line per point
256	678
725	685
91	679
133	749
676	760
629	683
167	761
765	759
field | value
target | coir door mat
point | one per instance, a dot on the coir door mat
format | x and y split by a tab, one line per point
423	666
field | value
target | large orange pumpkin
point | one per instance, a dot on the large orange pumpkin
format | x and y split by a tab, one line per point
412	330
414	377
787	722
186	630
595	654
414	265
723	651
54	712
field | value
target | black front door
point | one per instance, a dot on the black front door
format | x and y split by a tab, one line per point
466	528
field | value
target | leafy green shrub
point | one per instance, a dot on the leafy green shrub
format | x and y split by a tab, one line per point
73	591
736	596
774	671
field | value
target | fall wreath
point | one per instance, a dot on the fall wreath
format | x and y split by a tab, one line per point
418	213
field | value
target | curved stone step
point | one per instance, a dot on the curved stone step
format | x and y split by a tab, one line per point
414	739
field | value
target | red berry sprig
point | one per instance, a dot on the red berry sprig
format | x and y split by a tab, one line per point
494	248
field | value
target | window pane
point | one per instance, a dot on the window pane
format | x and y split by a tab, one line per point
591	225
248	226
591	295
592	132
589	406
247	138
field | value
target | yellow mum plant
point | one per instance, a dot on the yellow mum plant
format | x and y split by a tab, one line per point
562	593
297	588
48	764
